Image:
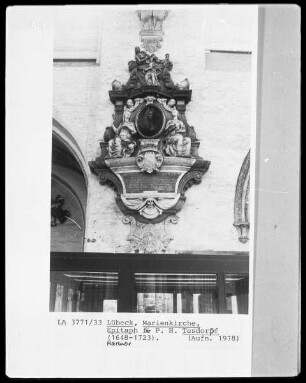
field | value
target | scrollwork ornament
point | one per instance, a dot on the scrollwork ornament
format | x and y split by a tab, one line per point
129	219
172	219
107	178
194	177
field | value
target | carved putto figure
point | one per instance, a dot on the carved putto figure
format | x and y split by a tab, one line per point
123	145
176	143
165	72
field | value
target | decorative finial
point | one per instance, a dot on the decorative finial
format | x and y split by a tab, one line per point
152	28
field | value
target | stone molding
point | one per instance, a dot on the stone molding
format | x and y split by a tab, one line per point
241	204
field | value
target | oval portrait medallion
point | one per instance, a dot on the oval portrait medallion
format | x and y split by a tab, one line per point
150	121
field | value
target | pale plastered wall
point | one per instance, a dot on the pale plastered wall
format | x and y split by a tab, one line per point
219	110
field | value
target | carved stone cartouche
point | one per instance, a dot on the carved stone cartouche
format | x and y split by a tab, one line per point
177	142
149	158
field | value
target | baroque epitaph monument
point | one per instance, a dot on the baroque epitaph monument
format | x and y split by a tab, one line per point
149	155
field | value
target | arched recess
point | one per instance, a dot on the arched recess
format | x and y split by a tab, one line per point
69	186
241	205
62	135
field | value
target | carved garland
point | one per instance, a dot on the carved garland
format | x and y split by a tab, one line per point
107	178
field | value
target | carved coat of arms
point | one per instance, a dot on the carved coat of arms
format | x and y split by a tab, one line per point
149	158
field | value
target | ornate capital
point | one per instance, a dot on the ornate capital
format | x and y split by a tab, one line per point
151	33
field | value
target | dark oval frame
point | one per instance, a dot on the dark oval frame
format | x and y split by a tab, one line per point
163	116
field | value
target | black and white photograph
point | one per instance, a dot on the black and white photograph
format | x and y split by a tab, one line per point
149	153
151	140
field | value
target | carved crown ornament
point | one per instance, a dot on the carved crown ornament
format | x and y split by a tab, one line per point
149	154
